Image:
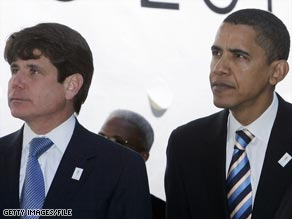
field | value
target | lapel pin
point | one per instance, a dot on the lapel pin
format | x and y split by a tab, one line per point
285	159
77	173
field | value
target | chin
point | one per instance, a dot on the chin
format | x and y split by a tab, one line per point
16	114
221	105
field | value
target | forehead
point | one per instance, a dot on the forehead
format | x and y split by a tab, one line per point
120	127
237	36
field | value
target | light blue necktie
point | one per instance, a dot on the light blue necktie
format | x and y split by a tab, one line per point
239	191
33	191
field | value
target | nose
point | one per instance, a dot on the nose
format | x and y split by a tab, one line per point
220	65
17	80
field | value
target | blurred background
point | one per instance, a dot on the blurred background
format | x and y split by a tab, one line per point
151	57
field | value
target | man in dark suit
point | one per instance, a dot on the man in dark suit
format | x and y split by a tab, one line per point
53	165
249	57
133	131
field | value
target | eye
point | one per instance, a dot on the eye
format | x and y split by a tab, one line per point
241	56
34	71
13	70
216	53
238	54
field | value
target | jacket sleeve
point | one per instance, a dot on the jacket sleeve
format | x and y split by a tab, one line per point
131	198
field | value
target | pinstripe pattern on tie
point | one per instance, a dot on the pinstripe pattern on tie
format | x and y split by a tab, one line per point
239	191
33	191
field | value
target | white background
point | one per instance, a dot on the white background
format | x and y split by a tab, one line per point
135	47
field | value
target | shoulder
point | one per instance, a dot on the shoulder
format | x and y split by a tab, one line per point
197	136
284	116
202	126
284	106
10	140
12	135
108	150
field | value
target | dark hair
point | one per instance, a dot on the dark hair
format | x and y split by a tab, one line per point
67	50
272	34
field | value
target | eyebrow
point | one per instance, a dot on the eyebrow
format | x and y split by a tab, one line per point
215	48
234	51
13	65
239	51
34	66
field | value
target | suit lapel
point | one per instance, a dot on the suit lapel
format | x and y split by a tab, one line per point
79	154
9	167
217	145
216	156
275	178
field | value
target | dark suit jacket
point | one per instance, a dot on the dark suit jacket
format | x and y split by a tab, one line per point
285	209
113	183
158	207
196	168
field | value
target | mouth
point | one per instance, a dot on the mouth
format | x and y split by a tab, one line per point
219	87
16	99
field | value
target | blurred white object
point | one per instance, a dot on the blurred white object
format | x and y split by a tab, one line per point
160	95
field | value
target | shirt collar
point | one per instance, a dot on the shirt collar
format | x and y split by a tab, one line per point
60	135
265	120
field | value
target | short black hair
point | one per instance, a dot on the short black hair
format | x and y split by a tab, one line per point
272	34
67	50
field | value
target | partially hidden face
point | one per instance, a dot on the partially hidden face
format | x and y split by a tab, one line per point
123	132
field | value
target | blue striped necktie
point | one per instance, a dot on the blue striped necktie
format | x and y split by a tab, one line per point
239	191
33	191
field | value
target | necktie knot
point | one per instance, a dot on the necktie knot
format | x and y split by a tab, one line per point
242	139
38	146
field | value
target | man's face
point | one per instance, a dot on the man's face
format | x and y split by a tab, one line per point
239	71
34	95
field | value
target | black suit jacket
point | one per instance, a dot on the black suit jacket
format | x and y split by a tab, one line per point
285	209
113	183
158	207
196	168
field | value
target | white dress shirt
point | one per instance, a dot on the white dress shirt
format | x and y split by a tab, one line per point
256	149
49	160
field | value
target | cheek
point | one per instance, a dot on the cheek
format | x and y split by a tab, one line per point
50	95
55	96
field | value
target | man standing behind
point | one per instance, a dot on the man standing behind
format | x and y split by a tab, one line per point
53	162
233	164
132	130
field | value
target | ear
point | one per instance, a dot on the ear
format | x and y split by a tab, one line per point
280	69
72	85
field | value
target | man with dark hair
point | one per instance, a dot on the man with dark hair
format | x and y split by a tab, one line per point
236	163
133	131
53	163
